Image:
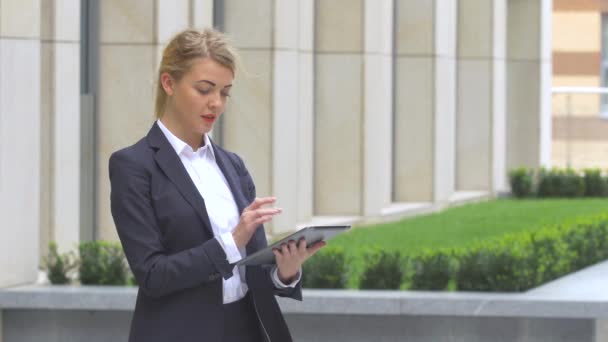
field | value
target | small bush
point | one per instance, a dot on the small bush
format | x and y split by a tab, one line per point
595	184
383	270
521	182
560	183
58	266
102	263
325	270
431	271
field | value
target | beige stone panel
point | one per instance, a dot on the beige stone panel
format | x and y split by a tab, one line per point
202	15
378	26
19	160
414	130
474	125
66	156
475	28
20	19
444	128
172	17
285	138
305	119
46	144
377	134
580	154
67	20
338	142
306	25
339	25
577	31
247	127
47	20
286	24
415	27
249	23
125	114
523	29
523	118
127	21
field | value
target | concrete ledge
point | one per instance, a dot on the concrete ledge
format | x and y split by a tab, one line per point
344	302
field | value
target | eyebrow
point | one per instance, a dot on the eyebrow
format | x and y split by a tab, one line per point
212	83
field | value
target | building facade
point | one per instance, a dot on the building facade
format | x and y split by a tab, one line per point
348	110
580	59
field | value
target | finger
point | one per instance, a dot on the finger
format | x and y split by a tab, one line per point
277	255
302	246
315	247
285	249
267	211
292	247
262	219
260	201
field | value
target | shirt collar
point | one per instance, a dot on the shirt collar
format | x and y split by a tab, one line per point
180	146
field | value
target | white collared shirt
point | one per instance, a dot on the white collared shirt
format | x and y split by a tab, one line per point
221	208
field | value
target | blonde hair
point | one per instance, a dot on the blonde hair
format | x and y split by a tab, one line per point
184	48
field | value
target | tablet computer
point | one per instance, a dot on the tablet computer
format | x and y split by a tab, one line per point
311	234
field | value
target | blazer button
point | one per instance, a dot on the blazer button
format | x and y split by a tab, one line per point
214	276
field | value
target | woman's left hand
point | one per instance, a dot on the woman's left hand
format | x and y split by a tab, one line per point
291	257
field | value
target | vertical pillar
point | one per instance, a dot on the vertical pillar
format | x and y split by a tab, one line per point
20	150
60	91
481	127
378	95
529	83
269	119
132	36
425	100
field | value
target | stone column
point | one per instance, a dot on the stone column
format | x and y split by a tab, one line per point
269	118
480	123
133	34
60	134
425	100
20	144
353	107
529	83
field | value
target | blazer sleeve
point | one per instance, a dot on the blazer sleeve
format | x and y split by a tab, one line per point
157	273
250	193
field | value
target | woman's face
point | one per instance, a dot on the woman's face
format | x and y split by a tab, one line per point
197	100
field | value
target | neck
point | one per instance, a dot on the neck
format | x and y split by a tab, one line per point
193	140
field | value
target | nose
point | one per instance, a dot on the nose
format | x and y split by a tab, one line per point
215	100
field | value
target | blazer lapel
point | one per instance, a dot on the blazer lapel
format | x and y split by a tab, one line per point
172	166
231	176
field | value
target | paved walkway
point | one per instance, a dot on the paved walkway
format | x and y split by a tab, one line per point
590	283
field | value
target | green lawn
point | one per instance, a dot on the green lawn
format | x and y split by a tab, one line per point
462	226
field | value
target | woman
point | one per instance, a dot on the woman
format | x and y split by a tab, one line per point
185	210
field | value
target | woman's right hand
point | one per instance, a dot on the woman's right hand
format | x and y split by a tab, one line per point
253	216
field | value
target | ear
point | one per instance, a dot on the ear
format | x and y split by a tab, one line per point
167	83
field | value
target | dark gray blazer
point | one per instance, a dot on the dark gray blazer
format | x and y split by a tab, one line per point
165	231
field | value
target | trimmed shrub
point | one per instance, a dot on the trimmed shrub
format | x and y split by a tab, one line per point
560	183
383	270
431	271
326	269
595	184
102	263
58	266
521	182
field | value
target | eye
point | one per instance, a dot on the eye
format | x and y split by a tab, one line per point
204	91
225	94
